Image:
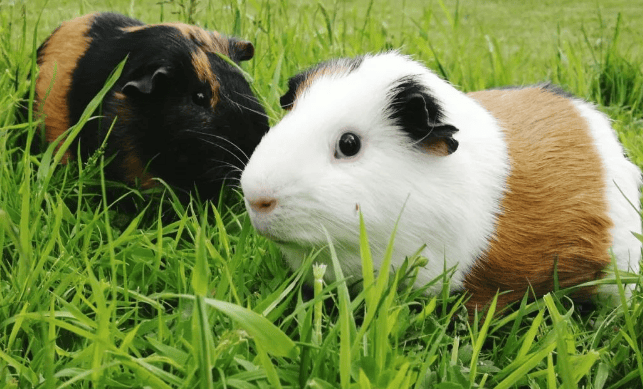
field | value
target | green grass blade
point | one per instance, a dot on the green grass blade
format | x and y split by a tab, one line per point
273	340
345	319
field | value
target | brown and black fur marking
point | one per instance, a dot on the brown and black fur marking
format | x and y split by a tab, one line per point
420	116
300	82
180	112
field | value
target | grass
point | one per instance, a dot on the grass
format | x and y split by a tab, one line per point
139	290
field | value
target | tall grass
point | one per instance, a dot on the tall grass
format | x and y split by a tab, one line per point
105	286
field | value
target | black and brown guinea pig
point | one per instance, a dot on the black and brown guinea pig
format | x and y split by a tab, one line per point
507	186
183	113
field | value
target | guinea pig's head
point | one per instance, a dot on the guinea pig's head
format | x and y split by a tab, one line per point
191	117
365	134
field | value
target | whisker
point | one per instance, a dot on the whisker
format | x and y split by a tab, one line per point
221	138
218	179
228	177
231	168
247	96
256	100
232	144
250	97
222	164
251	110
242	162
236	184
221	167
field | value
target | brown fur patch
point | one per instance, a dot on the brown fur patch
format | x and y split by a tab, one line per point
133	166
67	44
208	41
135	28
122	108
331	69
554	213
204	72
131	163
438	148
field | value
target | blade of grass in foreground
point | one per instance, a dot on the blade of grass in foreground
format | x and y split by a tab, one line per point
367	264
376	288
629	325
345	318
272	339
479	341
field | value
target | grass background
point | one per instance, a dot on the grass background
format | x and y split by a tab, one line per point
140	291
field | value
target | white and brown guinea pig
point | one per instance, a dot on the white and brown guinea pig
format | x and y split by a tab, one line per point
183	113
504	184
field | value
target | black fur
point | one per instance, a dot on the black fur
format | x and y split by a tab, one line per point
186	144
557	90
548	86
416	112
344	66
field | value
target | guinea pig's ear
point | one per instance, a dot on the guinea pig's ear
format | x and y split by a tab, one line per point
288	100
147	81
240	50
419	115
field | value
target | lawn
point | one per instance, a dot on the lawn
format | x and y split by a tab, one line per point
140	290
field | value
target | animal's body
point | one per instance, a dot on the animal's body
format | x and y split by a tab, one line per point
508	185
180	112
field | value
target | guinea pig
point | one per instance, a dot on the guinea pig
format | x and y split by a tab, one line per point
508	186
180	112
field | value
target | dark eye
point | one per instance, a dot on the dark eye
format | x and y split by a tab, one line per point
348	145
200	99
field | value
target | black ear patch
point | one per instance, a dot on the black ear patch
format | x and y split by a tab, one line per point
288	100
147	81
240	50
420	116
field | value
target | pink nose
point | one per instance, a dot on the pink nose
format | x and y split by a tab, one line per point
263	204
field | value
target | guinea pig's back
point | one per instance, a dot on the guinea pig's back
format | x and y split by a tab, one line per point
559	210
57	58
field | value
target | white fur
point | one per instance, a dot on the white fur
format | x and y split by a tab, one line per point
449	201
622	180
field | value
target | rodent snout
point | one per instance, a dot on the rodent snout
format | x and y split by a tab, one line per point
262	204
